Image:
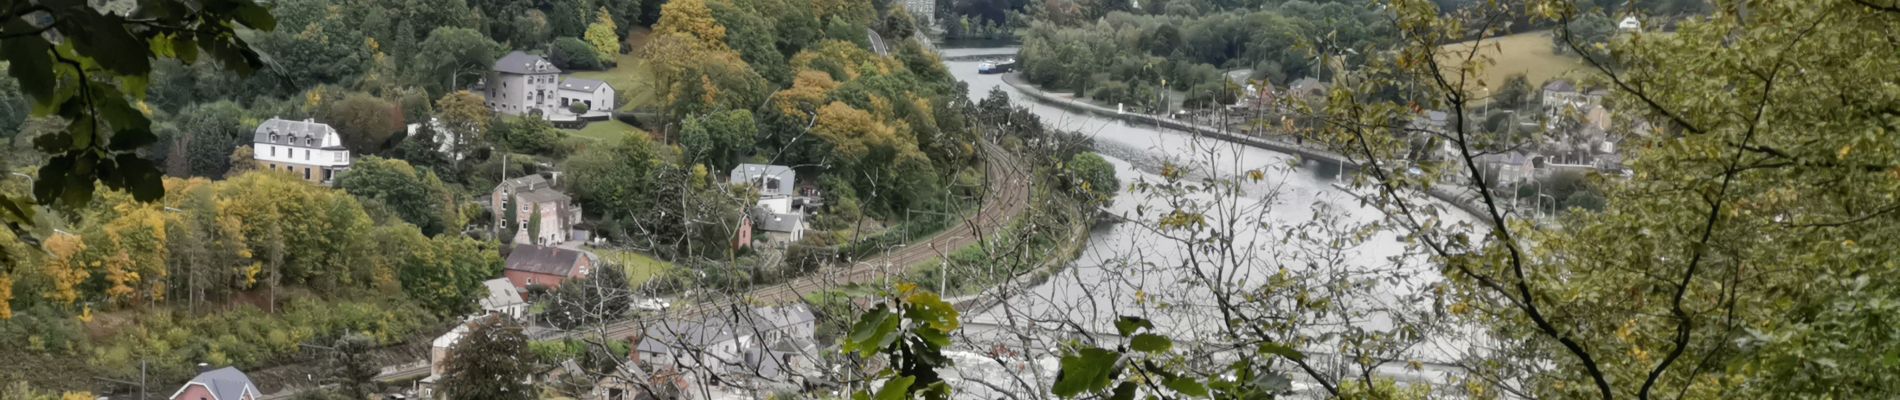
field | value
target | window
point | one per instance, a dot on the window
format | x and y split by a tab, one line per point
306	154
306	173
273	150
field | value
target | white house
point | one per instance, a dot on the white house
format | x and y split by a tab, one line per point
597	95
504	299
1630	23
526	84
521	83
306	148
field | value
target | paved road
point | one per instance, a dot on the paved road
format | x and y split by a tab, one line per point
877	42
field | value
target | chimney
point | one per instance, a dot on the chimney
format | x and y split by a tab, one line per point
204	367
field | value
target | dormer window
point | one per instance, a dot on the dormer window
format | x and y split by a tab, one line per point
274	138
310	141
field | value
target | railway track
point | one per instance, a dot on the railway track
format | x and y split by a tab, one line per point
1006	197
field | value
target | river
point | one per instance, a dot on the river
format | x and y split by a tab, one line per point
1127	269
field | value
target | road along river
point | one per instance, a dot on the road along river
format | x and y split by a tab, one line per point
1297	218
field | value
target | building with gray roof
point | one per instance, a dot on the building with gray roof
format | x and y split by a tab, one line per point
525	84
307	149
226	383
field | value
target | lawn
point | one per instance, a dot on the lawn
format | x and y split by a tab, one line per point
640	267
1528	53
607	131
629	75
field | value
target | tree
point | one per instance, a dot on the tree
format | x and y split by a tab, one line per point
898	25
615	178
717	139
79	79
604	37
1093	178
1587	30
202	137
599	298
490	362
348	359
452	58
242	159
418	197
365	122
530	29
1513	95
530	135
445	274
569	53
534	224
692	19
465	120
1702	276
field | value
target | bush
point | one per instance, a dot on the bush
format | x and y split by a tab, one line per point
572	53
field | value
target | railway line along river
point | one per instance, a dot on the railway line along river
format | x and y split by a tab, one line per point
1128	268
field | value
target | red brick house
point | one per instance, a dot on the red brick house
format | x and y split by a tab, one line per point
219	384
545	266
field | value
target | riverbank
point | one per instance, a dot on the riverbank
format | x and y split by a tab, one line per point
1463	198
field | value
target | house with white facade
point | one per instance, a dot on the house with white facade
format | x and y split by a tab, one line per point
306	149
504	299
596	95
526	84
779	216
521	84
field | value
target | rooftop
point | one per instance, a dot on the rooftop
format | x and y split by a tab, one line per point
517	62
294	133
543	259
501	293
584	85
224	383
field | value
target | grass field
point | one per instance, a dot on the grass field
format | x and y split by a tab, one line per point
607	131
1528	53
629	74
640	267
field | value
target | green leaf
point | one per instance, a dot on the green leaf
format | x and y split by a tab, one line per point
1086	371
131	139
896	388
29	61
929	308
1186	387
256	16
103	38
1281	350
1127	325
874	330
1151	343
1124	391
139	176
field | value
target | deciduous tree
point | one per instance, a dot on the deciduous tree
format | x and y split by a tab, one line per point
604	37
490	362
